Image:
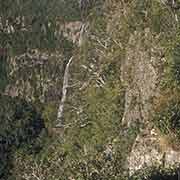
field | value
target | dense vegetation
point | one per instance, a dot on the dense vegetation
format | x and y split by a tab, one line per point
92	144
21	124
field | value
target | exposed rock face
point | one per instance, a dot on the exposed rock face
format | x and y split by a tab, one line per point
71	31
148	151
141	73
144	152
38	75
35	75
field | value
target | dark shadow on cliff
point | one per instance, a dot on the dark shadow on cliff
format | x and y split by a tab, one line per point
154	173
164	177
21	126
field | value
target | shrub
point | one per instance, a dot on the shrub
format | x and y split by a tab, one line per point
21	124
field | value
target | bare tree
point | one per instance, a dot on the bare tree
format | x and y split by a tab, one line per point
64	93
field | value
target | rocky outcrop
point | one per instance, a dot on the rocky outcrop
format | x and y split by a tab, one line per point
35	76
140	75
71	30
38	75
142	71
150	149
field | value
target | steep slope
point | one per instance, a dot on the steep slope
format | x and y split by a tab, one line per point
121	115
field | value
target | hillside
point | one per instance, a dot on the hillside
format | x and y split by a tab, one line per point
89	90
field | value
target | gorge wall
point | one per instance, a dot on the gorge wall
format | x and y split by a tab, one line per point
121	114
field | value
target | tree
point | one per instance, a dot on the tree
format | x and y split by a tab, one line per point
33	24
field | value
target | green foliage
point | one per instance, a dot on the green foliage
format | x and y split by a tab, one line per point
92	115
65	158
175	67
49	114
3	73
69	10
168	120
102	116
34	24
20	126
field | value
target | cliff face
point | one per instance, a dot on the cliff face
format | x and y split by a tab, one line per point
121	111
37	75
142	73
141	76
